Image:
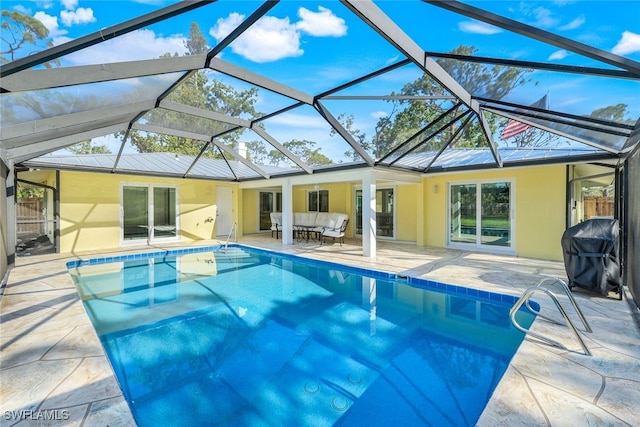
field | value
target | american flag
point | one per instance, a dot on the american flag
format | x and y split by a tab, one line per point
515	127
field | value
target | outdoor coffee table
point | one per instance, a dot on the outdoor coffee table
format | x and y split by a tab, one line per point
306	230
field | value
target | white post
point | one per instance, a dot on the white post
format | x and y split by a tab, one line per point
11	237
287	213
368	216
369	301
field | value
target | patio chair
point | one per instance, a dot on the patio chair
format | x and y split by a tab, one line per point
336	232
276	223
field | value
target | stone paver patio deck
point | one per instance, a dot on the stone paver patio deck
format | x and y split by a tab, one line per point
52	363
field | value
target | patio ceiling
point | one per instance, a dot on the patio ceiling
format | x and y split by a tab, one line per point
45	110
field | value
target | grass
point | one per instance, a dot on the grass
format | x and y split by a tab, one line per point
487	221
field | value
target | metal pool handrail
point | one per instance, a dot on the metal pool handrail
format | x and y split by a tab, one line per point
233	231
524	299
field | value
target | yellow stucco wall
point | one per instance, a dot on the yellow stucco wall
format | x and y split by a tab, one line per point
90	208
539	208
250	206
407	212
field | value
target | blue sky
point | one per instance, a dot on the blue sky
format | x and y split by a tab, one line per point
315	45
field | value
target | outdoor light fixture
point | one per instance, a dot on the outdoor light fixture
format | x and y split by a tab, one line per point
435	188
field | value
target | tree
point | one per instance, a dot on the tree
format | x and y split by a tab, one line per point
85	147
304	150
213	95
196	44
410	117
614	113
18	32
197	91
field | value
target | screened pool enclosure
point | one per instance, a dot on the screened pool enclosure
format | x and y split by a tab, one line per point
409	87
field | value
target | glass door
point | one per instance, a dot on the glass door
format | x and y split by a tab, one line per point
164	212
135	205
480	214
267	206
149	213
495	214
385	211
462	214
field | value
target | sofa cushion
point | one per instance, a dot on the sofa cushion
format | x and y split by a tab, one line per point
306	219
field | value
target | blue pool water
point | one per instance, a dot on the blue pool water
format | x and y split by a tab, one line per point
255	338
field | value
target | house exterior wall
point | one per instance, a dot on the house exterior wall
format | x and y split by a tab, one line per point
91	204
250	206
540	211
90	208
407	209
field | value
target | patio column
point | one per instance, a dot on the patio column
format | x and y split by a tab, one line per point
287	213
11	189
368	216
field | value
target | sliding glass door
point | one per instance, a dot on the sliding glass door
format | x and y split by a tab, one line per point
270	201
138	224
385	212
480	215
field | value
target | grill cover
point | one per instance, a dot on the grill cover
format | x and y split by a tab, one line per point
590	251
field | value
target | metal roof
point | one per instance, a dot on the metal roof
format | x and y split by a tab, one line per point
41	113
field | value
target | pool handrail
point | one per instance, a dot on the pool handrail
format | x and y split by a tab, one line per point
524	300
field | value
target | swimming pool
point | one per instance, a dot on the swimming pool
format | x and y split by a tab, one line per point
252	337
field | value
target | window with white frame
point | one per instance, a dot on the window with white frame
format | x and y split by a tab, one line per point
318	201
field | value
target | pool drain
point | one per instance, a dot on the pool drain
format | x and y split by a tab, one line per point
311	388
339	404
355	379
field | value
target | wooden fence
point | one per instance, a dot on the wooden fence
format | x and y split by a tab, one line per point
29	210
598	206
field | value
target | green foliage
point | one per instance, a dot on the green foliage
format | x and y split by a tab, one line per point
304	150
196	44
86	147
409	117
614	113
29	192
213	95
18	32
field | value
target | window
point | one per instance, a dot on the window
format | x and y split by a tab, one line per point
319	201
480	214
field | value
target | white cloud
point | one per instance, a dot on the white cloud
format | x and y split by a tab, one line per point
321	24
379	114
147	46
476	27
544	18
629	43
51	22
268	40
79	16
271	38
557	55
573	24
70	4
224	26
